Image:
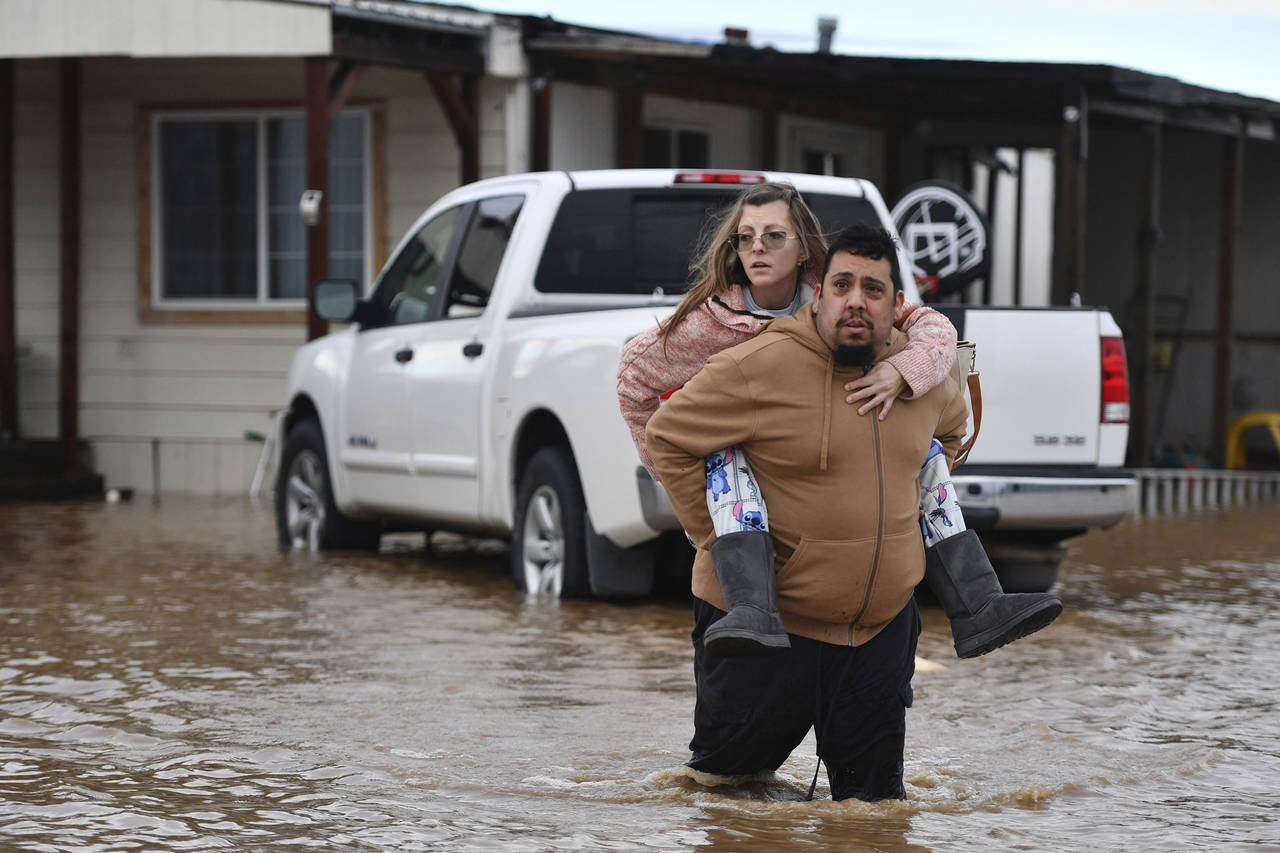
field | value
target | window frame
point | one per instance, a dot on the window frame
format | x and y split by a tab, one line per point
673	129
467	212
152	306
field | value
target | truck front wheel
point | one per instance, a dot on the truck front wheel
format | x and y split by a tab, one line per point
306	517
548	548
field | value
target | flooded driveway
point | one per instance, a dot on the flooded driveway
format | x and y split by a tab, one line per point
169	680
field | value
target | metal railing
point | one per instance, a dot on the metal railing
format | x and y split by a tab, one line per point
1174	490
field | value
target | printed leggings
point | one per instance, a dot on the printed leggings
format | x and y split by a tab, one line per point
736	504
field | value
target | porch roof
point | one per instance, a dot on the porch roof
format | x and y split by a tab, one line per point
887	90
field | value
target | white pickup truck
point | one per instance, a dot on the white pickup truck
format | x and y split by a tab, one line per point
474	389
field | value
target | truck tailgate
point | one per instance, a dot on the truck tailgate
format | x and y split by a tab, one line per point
1041	385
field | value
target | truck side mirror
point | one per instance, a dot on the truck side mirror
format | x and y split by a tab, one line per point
337	299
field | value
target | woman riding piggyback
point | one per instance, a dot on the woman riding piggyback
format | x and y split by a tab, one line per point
758	259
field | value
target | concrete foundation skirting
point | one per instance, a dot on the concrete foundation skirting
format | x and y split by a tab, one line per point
1173	490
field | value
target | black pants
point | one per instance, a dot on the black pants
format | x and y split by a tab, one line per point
751	712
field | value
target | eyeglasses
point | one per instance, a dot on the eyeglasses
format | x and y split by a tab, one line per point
772	240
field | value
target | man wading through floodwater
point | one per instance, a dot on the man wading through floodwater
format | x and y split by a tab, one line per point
843	502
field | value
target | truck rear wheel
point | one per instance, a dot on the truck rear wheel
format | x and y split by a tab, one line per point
306	517
548	548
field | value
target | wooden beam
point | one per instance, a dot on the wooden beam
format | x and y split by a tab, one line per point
1185	118
367	50
469	87
993	185
69	266
317	115
1143	342
1018	229
895	135
769	139
341	85
460	103
630	125
8	282
1069	198
1209	336
1229	231
540	126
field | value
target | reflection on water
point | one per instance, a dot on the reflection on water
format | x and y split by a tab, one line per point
169	680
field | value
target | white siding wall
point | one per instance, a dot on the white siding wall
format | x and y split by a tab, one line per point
494	103
1037	227
423	159
860	149
732	130
195	388
583	134
163	27
35	232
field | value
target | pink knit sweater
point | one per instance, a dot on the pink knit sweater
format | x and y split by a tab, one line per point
648	369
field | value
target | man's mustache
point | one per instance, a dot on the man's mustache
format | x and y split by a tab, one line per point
861	318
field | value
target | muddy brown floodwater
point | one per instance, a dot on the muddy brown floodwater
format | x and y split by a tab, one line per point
171	681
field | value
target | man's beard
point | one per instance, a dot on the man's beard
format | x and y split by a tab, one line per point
854	355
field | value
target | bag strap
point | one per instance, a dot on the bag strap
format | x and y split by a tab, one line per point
975	402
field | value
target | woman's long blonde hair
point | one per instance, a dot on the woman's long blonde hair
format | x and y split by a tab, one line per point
716	266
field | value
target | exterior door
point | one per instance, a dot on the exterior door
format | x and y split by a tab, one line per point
448	372
376	434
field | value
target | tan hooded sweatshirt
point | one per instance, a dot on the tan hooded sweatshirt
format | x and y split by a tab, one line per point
841	487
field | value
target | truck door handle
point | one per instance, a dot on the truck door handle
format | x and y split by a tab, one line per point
404	355
472	349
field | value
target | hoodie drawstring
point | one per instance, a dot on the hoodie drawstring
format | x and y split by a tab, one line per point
826	412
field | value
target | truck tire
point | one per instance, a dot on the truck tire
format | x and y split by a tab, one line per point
548	545
306	517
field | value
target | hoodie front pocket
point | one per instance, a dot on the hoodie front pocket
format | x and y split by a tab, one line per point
826	579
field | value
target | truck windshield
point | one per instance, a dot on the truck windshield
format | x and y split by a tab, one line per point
640	241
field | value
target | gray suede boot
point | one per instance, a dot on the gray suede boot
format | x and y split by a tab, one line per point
983	617
744	566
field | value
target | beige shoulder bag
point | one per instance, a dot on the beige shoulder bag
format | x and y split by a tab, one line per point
965	373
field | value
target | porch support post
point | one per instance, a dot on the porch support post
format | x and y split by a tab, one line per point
461	105
540	126
769	139
1232	177
1069	207
1140	350
341	86
69	267
8	282
317	116
630	125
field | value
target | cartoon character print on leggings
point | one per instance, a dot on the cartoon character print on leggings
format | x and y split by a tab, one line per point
942	517
732	495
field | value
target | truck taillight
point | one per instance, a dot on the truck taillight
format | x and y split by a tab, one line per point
1115	382
719	178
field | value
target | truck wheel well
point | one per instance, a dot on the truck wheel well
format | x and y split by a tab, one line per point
540	429
300	409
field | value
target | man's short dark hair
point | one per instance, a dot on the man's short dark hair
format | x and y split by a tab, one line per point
867	241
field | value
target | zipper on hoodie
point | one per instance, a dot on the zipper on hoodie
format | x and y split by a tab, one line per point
875	560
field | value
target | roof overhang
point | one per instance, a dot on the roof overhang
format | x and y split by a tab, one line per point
165	28
427	37
888	90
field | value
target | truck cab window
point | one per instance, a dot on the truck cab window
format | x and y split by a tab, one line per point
483	247
410	288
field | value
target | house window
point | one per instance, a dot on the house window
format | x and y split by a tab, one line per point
226	233
663	147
